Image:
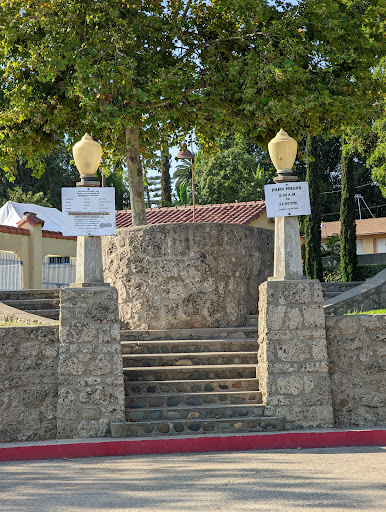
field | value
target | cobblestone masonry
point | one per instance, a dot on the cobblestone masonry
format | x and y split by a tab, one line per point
293	367
91	392
187	275
357	353
28	383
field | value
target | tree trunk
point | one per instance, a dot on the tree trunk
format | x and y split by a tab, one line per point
313	256
348	253
166	188
134	171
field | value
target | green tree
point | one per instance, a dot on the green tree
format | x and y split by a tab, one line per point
313	256
17	195
229	176
129	72
348	258
59	173
166	185
111	68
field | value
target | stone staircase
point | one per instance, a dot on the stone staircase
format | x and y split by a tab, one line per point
192	381
331	290
44	303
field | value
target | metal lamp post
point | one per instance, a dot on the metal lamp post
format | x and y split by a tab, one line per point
288	263
185	154
89	267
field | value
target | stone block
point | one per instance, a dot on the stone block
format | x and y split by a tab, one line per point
293	351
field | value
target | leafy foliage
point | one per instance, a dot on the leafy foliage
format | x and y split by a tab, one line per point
59	173
334	274
232	175
18	196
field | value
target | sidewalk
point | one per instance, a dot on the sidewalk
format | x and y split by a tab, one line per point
307	480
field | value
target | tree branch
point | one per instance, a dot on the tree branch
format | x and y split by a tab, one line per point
220	40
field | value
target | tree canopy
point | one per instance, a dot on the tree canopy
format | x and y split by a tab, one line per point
135	73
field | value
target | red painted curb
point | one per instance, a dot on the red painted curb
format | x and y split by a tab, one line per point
282	440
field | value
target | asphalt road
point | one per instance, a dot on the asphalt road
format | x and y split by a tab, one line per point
328	480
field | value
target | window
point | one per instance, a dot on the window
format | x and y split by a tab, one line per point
381	245
56	260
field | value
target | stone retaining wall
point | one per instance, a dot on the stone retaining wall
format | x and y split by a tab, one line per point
28	383
369	295
357	359
187	275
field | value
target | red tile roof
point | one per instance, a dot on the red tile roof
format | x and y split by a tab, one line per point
56	234
14	231
230	213
363	227
31	219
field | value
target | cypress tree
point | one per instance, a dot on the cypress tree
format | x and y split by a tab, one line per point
313	255
166	187
348	254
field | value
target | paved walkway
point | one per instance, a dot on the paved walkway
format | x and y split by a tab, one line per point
328	480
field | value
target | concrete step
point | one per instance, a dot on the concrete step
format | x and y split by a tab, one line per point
196	427
195	412
331	295
152	400
53	314
225	371
189	359
252	320
189	346
29	294
189	386
339	287
190	334
33	304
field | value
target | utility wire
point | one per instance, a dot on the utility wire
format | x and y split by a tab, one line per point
339	191
356	209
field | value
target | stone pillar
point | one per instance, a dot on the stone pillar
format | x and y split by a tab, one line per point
90	376
292	360
89	265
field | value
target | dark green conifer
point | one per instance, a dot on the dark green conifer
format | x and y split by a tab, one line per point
348	255
313	256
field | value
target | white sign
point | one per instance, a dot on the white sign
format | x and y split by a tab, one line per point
88	211
287	199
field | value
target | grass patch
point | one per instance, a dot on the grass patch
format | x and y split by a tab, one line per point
371	312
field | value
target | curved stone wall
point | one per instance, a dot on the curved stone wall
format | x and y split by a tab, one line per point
187	275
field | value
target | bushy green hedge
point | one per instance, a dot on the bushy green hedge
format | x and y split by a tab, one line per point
334	274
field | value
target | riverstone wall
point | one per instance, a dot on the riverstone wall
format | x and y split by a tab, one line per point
28	383
187	275
357	358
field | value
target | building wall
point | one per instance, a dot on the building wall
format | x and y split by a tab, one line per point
28	383
187	275
263	222
356	346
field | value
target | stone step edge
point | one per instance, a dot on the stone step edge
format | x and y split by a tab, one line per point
191	368
198	330
41	312
185	355
203	421
193	381
192	394
186	342
195	408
